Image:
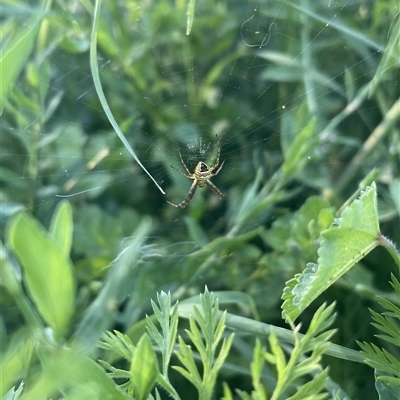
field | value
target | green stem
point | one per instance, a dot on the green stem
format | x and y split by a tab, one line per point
306	59
243	324
378	134
391	248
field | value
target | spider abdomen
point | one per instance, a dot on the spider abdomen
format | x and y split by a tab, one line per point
202	173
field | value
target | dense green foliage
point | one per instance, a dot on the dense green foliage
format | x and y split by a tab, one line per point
303	98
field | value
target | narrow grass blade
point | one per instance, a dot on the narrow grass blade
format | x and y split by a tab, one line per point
96	78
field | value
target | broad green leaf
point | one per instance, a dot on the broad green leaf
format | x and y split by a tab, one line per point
61	226
14	57
75	375
314	216
47	271
278	235
341	247
9	279
144	368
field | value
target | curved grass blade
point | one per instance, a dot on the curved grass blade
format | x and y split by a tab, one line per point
96	78
190	16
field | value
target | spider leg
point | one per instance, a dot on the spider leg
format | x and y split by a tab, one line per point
217	160
214	188
219	169
183	162
187	176
189	197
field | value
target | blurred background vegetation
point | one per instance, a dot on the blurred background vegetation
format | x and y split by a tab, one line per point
259	76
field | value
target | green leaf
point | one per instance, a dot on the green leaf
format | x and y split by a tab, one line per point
185	356
250	326
190	16
61	226
243	300
380	359
47	269
14	394
9	279
256	368
197	234
115	373
277	354
314	216
391	56
296	156
197	259
227	392
394	189
75	375
119	343
16	358
8	276
339	26
206	340
144	368
14	57
385	390
310	390
101	313
167	317
74	44
341	247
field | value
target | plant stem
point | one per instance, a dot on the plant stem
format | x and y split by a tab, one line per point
379	132
391	248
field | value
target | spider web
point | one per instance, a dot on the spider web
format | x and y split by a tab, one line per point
233	96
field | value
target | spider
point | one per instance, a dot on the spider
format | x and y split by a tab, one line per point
201	177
